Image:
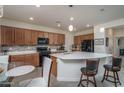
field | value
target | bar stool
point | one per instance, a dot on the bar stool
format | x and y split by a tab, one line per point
114	68
90	70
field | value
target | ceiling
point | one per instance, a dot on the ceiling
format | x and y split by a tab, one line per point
47	15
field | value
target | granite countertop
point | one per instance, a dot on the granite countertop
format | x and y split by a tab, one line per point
19	52
80	55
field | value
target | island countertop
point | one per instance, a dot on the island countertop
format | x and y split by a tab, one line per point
80	55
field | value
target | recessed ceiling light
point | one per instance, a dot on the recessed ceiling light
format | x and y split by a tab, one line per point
102	29
59	25
88	25
31	18
37	5
71	18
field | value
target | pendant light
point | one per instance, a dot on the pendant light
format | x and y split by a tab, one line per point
1	11
70	28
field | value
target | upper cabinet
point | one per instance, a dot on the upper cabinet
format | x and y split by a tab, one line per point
20	36
7	35
51	38
40	34
56	39
80	38
34	37
28	37
46	34
61	39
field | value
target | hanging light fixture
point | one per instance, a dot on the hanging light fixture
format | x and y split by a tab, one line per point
1	11
70	28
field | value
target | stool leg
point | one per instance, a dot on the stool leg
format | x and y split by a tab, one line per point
107	75
115	79
118	78
87	81
80	79
104	76
94	81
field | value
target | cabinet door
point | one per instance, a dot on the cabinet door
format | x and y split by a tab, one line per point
17	58
76	40
28	59
35	59
51	38
34	37
40	34
7	35
19	36
46	34
62	39
55	39
59	39
27	37
91	36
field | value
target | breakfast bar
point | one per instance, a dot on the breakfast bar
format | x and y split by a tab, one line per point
66	66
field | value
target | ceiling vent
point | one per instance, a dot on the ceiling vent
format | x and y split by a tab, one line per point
70	5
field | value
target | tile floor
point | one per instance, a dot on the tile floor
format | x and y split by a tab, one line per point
55	83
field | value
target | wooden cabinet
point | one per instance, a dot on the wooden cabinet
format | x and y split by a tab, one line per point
34	37
61	39
17	58
40	34
46	34
56	39
33	59
6	35
19	36
27	37
80	38
77	40
54	66
51	38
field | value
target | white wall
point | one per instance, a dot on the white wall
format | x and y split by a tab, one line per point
84	32
13	23
98	34
110	35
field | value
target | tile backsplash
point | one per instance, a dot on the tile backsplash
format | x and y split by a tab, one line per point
23	48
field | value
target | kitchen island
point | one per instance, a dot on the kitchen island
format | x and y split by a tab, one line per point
66	66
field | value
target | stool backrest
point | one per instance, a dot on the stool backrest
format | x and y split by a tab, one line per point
92	64
47	66
116	62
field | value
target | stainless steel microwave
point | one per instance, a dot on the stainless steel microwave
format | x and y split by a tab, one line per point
43	41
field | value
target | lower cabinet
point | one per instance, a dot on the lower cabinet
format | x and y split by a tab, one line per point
33	59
